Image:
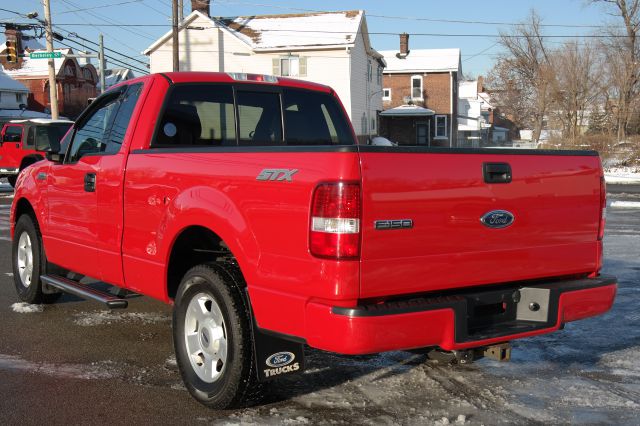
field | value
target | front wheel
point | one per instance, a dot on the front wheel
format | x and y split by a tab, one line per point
212	338
28	262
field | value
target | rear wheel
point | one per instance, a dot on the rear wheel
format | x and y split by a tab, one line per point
12	180
28	261
212	338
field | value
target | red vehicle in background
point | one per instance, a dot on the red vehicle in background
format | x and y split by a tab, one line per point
245	202
23	142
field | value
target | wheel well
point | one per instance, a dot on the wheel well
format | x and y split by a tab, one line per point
29	160
24	207
195	245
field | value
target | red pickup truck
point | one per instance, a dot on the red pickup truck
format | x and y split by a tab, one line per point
245	202
24	142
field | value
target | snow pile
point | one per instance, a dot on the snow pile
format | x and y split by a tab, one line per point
69	371
26	308
90	319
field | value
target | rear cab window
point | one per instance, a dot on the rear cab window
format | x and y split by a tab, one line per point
210	114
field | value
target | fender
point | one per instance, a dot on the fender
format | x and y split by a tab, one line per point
32	189
212	209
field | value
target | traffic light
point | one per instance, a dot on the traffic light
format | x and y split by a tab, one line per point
12	53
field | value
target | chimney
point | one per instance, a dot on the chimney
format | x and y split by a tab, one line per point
201	6
404	44
480	84
13	33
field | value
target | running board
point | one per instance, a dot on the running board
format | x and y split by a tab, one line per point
84	291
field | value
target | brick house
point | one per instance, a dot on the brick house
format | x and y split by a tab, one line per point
420	95
76	83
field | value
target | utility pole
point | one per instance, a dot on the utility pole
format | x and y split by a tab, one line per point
180	11
103	63
53	87
176	60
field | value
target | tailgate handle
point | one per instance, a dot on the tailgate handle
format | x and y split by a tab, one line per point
496	172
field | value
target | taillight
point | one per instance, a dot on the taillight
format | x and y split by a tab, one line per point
335	221
603	208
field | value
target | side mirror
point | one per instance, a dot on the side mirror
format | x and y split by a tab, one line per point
54	157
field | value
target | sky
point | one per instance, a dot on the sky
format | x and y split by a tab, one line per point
477	41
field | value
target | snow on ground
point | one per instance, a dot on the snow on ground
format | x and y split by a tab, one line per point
622	175
626	204
26	308
90	319
100	370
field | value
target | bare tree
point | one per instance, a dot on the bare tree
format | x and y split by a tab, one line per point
575	86
523	76
623	59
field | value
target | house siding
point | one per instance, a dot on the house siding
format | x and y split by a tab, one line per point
366	95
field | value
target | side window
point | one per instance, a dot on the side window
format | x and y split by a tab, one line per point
259	118
127	104
91	134
12	134
31	137
312	118
198	115
441	126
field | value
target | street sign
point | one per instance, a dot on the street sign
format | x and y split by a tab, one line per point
45	55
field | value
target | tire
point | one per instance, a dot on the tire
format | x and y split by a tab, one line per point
12	180
213	339
28	262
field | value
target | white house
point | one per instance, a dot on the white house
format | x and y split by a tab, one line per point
330	48
12	93
473	115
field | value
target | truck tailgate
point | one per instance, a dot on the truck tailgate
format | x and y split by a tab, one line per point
554	199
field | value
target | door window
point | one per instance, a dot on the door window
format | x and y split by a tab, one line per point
91	134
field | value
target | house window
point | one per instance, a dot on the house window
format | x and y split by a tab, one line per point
416	87
380	75
290	66
441	126
369	71
19	98
386	94
373	124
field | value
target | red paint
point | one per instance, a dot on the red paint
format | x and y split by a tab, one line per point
124	232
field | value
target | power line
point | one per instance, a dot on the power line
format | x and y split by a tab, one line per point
415	18
117	61
99	7
297	31
75	35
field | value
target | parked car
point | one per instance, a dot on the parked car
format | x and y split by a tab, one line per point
24	142
244	201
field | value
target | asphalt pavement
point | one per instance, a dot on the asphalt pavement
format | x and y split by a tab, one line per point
74	362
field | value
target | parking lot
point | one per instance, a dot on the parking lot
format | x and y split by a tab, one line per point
74	361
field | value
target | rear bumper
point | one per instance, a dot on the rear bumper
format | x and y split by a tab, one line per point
459	320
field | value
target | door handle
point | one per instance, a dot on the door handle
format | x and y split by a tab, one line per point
90	182
496	172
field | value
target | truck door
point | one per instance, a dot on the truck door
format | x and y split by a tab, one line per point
11	146
71	238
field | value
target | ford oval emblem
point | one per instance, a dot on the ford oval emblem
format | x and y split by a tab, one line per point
280	359
497	219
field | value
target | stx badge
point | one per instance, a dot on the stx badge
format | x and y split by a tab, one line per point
277	174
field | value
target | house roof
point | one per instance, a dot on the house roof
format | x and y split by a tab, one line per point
422	60
9	84
268	32
468	89
114	76
407	111
38	67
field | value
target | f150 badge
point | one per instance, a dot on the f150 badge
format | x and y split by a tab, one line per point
277	174
497	219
